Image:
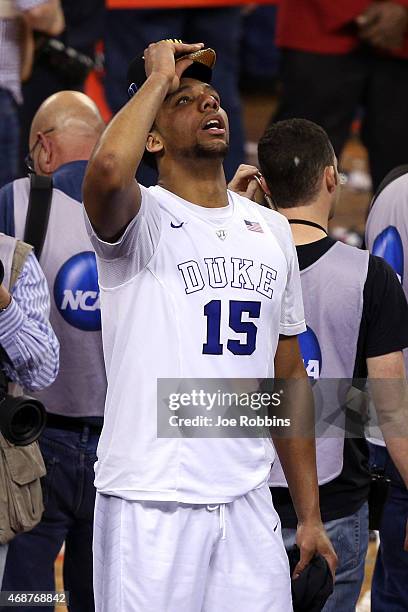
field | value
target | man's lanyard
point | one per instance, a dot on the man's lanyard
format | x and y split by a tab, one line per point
305	222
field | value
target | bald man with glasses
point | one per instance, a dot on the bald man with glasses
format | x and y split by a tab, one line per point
63	134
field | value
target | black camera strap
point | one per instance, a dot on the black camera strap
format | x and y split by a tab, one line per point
38	212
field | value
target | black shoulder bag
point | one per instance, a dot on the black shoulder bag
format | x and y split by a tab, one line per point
38	212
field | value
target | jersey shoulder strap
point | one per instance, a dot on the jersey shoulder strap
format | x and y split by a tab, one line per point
38	212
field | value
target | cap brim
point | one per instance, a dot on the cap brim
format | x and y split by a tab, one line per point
207	57
202	66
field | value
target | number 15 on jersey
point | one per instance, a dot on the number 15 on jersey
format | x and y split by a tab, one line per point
248	329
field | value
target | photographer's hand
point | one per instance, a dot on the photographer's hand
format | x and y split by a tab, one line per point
48	17
243	181
5	298
249	182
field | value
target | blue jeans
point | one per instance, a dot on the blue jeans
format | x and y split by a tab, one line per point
349	536
389	590
129	32
9	137
69	497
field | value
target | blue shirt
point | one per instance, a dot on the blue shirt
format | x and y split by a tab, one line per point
25	332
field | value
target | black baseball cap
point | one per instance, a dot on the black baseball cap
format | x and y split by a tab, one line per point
201	69
313	587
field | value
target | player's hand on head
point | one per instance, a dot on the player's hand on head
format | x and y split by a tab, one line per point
243	181
160	58
313	539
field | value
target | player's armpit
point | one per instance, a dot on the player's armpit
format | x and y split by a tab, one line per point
109	212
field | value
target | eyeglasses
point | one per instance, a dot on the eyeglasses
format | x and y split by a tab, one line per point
28	160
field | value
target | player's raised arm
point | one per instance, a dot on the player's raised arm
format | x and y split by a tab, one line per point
111	195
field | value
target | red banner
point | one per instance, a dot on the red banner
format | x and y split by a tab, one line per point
169	4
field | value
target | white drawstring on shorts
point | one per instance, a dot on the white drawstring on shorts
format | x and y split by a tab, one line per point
221	507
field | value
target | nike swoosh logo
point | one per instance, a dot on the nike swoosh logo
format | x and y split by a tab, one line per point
176	226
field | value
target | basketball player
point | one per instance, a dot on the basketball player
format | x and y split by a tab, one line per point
194	283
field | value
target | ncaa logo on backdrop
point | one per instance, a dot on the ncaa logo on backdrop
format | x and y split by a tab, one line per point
388	245
311	353
76	292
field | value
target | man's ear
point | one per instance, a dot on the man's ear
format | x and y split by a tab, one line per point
46	157
154	143
331	178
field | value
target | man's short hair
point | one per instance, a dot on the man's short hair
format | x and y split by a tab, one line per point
293	155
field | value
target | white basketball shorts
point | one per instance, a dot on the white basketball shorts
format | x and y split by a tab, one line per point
171	557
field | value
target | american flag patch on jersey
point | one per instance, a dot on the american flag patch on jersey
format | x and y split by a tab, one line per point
253	226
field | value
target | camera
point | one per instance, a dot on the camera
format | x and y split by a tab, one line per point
69	63
22	418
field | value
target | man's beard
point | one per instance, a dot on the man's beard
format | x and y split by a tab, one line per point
198	151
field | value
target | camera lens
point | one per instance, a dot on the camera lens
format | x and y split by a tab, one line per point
22	419
25	421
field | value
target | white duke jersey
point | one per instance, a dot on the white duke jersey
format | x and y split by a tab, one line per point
190	292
